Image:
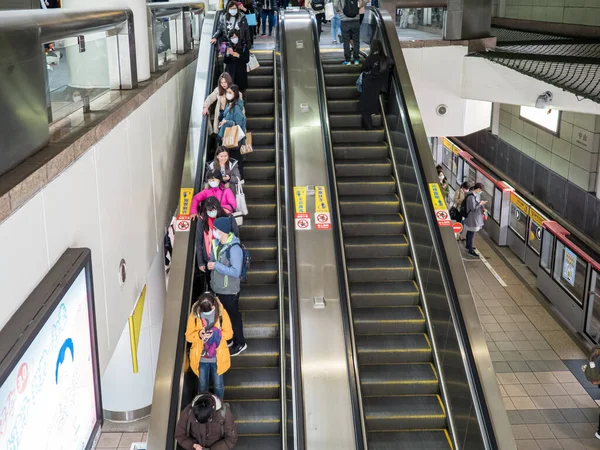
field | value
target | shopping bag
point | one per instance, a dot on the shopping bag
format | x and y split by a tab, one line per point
251	19
247	148
230	137
241	209
359	82
329	11
252	63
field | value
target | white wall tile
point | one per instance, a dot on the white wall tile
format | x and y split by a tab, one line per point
579	176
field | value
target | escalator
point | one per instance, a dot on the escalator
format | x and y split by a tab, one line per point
398	380
252	385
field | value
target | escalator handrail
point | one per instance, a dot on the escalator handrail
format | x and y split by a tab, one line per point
293	304
415	261
360	431
417	147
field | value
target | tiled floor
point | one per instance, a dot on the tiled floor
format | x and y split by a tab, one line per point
546	404
119	441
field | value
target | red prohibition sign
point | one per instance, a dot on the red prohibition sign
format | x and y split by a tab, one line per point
183	225
303	223
443	215
322	218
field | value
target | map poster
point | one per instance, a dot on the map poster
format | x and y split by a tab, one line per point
569	266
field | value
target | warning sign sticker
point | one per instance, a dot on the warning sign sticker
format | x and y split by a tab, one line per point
321	205
182	225
303	224
185	201
322	221
439	205
300	199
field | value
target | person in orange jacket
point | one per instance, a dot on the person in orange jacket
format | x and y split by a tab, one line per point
208	313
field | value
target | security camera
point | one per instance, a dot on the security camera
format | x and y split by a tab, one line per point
441	110
543	100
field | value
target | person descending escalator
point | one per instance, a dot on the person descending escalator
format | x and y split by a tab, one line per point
249	9
234	115
208	329
228	167
233	21
216	188
375	80
236	57
206	424
226	264
318	6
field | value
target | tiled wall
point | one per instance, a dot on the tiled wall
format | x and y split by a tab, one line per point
569	201
581	12
573	154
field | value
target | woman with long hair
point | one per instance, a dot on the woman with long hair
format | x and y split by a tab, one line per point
235	58
227	166
232	21
375	79
249	9
217	189
234	115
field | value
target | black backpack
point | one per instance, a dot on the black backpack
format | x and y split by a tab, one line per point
318	5
246	260
463	206
351	8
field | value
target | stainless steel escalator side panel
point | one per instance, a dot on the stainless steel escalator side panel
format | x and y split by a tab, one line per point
329	421
496	434
169	380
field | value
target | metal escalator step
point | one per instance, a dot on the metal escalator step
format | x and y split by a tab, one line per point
342	92
265	442
342	106
263	272
261	207
263	137
256	122
360	151
351	120
367	185
259	108
368	225
259	296
376	246
366	295
393	349
260	324
259	171
263	70
363	168
264	153
351	205
402	412
352	136
264	189
260	353
257	417
254	229
260	81
252	383
338	67
409	440
261	249
380	269
399	379
389	319
259	95
340	79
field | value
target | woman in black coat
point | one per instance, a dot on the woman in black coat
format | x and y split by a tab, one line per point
375	79
236	58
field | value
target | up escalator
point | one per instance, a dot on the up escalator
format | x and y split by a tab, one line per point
399	383
252	385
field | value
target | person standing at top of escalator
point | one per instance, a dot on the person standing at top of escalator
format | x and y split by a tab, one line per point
318	6
233	21
249	9
375	80
269	10
236	57
349	12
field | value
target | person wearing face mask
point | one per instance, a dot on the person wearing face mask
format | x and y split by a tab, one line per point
474	211
227	166
233	21
208	316
459	198
232	116
249	8
225	264
215	189
235	59
211	210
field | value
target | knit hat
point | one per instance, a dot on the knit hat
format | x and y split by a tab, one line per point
223	224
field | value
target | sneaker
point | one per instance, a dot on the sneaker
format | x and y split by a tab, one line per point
346	63
334	42
597	434
230	343
263	35
357	62
473	254
236	350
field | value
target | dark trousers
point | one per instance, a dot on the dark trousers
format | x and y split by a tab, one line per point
362	16
367	120
351	32
470	237
267	14
235	154
320	18
231	304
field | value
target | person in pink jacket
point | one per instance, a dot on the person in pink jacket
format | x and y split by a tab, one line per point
217	189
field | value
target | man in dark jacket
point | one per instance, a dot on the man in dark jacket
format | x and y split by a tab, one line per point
206	424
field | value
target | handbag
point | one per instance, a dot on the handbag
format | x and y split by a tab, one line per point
251	19
247	148
241	209
252	63
359	81
329	11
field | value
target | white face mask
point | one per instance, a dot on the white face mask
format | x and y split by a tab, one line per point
212	214
216	234
234	40
213	183
233	12
229	97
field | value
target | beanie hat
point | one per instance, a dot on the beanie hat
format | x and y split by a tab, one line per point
223	224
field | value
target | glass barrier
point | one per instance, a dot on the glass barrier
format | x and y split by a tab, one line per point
569	272
547	250
534	239
593	327
430	20
519	214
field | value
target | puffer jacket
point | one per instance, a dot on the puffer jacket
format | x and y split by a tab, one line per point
202	238
240	25
194	325
231	169
234	116
459	196
223	194
219	433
